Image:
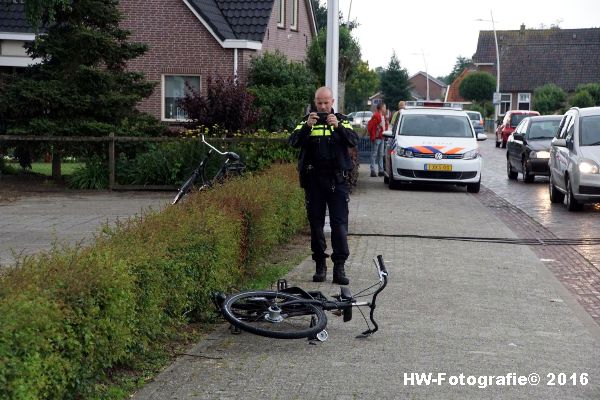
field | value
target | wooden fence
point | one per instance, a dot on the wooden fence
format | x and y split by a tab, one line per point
112	140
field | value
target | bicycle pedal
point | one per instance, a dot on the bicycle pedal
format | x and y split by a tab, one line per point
281	285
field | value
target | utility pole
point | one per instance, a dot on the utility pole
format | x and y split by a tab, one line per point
332	52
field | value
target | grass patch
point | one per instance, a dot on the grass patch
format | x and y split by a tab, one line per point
46	168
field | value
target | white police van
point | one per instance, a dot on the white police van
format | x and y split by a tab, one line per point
433	145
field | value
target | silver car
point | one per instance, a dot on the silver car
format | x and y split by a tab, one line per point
361	118
575	159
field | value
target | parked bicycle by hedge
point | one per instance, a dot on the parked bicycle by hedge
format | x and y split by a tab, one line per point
231	166
293	313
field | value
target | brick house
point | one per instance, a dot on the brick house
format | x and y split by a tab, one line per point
530	58
418	91
191	40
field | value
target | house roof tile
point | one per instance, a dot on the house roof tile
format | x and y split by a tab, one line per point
530	58
12	18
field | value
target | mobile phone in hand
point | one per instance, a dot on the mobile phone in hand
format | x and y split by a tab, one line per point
322	118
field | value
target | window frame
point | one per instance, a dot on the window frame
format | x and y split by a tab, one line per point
294	16
281	14
519	101
504	103
163	101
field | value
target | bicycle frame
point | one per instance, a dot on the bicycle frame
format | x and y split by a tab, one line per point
281	314
231	158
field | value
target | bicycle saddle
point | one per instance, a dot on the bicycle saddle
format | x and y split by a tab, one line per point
232	155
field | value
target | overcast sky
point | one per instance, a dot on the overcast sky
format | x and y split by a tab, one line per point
444	30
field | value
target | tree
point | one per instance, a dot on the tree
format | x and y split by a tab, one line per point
320	12
593	89
582	99
282	90
349	57
227	104
362	83
394	82
459	66
548	99
477	86
81	87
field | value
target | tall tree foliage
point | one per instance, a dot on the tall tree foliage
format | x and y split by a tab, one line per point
477	86
81	87
282	89
548	99
394	83
349	57
459	66
361	84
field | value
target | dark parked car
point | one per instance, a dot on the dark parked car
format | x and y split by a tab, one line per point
510	121
528	148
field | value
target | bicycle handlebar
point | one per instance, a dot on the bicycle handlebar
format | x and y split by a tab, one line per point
213	147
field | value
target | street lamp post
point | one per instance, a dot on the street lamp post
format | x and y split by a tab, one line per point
422	53
497	94
332	49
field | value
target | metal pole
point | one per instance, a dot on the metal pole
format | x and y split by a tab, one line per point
496	106
426	73
332	52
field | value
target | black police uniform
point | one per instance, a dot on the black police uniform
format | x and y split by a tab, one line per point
323	164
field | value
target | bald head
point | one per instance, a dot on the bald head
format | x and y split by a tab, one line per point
324	99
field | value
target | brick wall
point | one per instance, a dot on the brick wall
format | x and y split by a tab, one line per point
178	44
292	43
419	83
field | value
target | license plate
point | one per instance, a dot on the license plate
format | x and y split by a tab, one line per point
438	167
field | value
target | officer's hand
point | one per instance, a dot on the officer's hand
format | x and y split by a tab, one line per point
312	119
332	120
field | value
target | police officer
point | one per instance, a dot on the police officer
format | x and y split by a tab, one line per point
324	139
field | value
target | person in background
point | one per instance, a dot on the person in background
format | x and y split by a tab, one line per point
323	165
401	106
376	126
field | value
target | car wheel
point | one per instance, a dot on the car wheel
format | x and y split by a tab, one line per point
556	196
527	177
572	203
509	171
474	187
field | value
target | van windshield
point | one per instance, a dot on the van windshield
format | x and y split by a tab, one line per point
435	126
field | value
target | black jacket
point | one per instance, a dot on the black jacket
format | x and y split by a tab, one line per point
343	138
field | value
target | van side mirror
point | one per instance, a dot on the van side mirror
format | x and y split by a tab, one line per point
518	136
388	134
481	137
556	142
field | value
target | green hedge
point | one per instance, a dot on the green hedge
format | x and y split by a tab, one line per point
70	315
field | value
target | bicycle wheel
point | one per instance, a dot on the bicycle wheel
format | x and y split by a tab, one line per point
274	314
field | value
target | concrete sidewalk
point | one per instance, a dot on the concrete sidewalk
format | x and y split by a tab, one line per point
34	221
451	307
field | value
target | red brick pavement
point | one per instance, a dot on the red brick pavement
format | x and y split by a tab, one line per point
577	274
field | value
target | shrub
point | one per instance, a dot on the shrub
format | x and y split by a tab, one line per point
582	99
548	99
477	86
70	315
593	89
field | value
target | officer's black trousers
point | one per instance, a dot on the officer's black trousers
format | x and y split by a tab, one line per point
321	193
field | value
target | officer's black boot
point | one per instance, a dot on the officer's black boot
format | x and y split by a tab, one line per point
339	274
321	271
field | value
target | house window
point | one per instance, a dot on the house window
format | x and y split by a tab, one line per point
294	24
281	15
505	100
524	101
175	88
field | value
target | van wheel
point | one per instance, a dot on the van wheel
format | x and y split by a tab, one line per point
474	187
572	203
556	196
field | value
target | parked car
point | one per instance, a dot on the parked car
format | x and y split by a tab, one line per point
433	145
360	118
575	159
476	120
510	121
528	147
